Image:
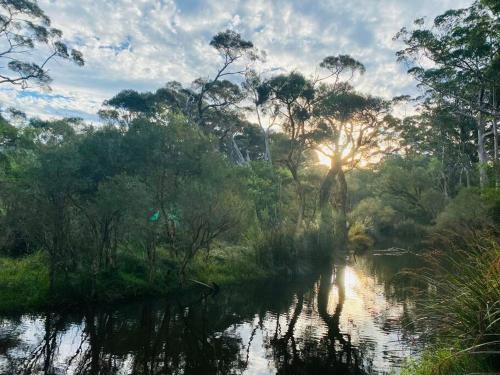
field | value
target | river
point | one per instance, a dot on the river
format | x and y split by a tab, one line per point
351	318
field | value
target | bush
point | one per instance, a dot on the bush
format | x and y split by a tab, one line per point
24	282
465	306
227	265
275	250
443	361
359	237
469	210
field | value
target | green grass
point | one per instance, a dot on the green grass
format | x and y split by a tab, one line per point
445	361
24	282
464	307
228	265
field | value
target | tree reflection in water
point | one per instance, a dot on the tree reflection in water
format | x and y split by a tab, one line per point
292	328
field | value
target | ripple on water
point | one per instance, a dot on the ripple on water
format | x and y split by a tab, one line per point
347	320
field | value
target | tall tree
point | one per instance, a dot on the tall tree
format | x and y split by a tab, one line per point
23	27
352	129
292	96
218	92
462	50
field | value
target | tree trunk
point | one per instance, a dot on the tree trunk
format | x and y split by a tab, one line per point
496	166
301	200
340	220
267	155
238	156
52	274
56	254
300	216
151	254
481	149
326	215
481	152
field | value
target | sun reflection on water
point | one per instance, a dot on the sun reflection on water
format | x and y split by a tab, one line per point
346	317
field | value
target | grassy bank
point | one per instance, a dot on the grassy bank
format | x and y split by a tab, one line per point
24	282
461	317
446	361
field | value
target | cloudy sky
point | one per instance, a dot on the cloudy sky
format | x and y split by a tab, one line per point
142	44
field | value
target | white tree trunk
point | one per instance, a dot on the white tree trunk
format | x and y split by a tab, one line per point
481	152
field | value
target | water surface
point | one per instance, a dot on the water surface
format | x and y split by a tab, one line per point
351	318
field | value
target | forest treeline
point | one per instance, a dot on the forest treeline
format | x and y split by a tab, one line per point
226	169
220	181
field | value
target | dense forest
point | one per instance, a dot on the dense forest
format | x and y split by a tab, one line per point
245	175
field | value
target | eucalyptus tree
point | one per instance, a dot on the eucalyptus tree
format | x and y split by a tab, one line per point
24	27
352	130
44	191
204	101
265	112
129	105
214	101
292	97
349	129
456	60
341	70
447	136
211	102
218	92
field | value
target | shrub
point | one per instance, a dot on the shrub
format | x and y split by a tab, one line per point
24	282
469	210
465	306
443	361
359	237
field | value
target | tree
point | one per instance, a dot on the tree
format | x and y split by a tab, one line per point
291	97
462	51
441	133
410	186
23	27
263	111
218	93
351	129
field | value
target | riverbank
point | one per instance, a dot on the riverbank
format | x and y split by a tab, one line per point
284	325
24	281
461	317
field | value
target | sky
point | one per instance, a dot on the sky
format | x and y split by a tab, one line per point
142	44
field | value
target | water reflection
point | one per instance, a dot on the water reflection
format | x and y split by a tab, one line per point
344	321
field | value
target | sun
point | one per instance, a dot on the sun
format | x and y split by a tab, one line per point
322	158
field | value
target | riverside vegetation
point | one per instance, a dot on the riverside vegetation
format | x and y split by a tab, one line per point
220	182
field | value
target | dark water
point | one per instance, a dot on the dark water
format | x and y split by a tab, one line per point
349	319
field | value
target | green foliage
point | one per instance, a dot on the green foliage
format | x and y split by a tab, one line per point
190	158
469	210
443	361
24	26
464	308
86	195
24	282
359	237
398	201
229	265
411	187
374	215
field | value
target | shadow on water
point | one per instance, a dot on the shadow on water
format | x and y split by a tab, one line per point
345	320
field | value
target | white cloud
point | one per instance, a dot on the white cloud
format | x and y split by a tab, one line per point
142	44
